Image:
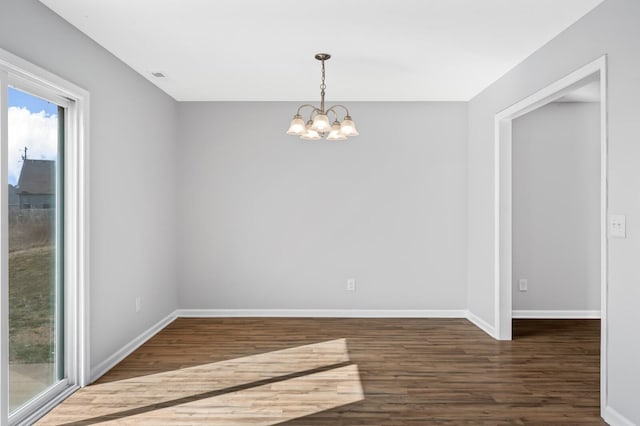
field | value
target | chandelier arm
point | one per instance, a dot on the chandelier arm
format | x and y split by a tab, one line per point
333	111
336	106
306	105
315	112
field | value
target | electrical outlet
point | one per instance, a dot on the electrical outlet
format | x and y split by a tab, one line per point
523	284
351	284
138	304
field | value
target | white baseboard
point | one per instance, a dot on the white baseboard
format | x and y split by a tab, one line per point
121	354
338	313
134	344
114	359
548	314
481	324
322	313
614	418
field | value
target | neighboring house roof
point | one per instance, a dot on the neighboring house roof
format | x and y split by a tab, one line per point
37	177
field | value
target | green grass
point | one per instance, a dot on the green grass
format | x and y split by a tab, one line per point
31	305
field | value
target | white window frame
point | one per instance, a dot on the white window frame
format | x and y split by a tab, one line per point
16	71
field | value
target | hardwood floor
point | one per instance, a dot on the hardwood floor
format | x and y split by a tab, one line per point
305	371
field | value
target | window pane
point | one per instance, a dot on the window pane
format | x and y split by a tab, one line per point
34	127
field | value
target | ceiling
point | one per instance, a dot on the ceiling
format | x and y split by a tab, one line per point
383	50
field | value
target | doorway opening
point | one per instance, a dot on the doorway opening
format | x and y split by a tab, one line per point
556	208
592	73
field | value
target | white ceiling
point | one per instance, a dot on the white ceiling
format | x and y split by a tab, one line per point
383	50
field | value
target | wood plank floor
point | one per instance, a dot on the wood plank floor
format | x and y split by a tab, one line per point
305	371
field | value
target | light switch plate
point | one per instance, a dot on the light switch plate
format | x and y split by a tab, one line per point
523	284
617	226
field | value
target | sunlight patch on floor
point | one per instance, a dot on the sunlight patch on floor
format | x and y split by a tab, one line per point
264	389
264	405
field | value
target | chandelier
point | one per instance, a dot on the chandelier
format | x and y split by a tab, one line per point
318	123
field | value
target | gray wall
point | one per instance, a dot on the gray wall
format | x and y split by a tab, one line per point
132	145
556	207
612	29
271	221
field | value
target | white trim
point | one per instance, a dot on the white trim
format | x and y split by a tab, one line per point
502	202
321	313
4	253
549	314
482	324
614	418
127	349
37	76
604	242
502	225
26	85
77	235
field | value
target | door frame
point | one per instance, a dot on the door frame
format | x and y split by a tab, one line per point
503	202
15	70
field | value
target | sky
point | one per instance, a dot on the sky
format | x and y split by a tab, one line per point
33	123
18	98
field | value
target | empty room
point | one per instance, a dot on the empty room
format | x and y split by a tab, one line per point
239	212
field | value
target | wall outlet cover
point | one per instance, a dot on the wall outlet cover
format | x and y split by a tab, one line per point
351	284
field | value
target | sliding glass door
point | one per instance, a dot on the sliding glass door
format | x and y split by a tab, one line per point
44	240
35	247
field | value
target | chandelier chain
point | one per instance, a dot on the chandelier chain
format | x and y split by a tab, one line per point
323	86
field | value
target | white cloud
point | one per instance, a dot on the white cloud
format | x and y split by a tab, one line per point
35	130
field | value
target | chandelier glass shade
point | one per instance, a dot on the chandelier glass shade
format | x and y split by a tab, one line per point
318	123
